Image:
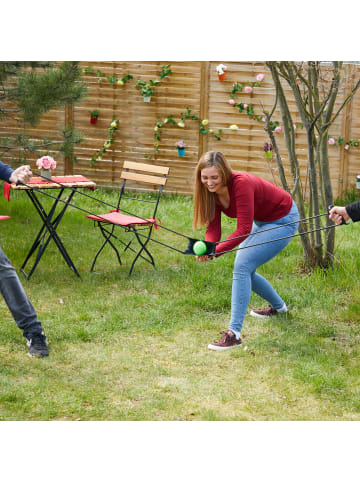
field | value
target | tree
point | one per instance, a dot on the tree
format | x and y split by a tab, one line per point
30	89
315	88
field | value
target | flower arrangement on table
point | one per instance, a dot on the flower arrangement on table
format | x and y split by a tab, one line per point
46	163
181	148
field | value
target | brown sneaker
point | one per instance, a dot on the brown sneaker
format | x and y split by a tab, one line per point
226	342
265	313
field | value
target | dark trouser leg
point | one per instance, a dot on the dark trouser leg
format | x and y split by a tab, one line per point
14	295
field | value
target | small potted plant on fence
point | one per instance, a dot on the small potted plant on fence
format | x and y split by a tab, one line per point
146	90
268	150
180	148
94	114
220	69
46	163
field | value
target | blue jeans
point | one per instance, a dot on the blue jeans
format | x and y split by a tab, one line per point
245	278
18	303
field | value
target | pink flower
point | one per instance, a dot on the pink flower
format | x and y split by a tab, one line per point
294	127
245	106
248	89
346	146
263	119
278	129
180	144
46	162
331	141
231	101
260	77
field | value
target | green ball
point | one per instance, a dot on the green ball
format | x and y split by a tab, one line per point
200	248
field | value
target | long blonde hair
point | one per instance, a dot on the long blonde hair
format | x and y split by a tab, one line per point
205	201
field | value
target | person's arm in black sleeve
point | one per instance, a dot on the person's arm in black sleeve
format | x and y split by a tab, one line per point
353	211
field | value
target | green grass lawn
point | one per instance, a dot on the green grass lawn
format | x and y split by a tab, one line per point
136	348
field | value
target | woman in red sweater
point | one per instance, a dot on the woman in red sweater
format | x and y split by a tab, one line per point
258	206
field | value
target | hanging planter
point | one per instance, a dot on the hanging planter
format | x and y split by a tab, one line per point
147	98
268	150
94	114
220	69
180	148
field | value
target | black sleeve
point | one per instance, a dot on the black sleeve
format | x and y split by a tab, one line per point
353	211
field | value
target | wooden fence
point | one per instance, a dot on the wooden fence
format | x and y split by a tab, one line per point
194	86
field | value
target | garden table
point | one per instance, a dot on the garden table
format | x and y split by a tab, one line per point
50	221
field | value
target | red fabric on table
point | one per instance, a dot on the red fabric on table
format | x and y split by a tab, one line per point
40	180
121	219
60	179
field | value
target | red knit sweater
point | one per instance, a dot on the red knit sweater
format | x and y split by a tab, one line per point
251	198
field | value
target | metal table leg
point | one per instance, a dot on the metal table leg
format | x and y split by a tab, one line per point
48	232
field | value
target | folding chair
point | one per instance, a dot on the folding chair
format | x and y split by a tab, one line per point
141	227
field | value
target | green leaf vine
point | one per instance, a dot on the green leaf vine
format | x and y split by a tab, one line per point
238	88
112	79
184	116
114	125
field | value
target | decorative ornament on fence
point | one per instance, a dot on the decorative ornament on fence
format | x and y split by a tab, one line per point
220	69
147	88
268	150
94	115
180	148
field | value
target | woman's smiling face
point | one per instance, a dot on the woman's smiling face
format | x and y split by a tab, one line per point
211	178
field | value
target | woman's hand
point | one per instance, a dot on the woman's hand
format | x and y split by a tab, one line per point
21	174
338	213
203	259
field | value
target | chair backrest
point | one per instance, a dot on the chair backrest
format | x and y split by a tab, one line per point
147	174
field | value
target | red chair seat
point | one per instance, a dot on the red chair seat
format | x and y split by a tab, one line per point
120	219
4	217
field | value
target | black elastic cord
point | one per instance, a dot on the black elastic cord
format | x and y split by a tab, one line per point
107	204
168	229
102	218
275	227
279	239
164	227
